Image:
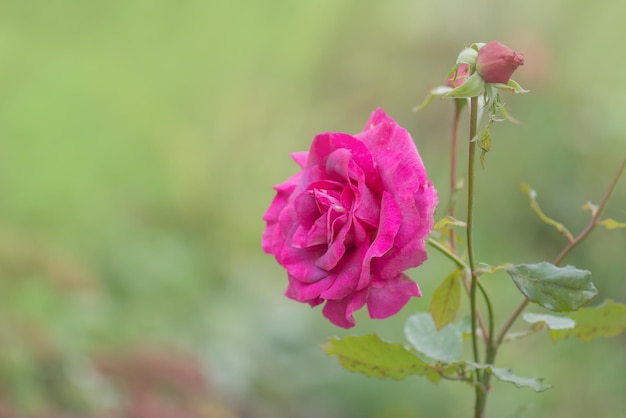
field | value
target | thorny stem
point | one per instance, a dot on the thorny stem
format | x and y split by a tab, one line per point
569	247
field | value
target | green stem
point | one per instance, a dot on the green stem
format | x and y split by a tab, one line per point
442	249
489	338
458	107
470	221
480	391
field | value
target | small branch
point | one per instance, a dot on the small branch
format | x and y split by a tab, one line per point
594	219
470	220
453	152
445	251
489	315
557	260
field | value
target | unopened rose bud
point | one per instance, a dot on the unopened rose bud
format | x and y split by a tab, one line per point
460	77
496	62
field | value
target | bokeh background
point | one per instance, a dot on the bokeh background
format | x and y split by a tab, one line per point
139	141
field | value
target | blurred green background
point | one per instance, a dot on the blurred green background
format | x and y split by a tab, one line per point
139	141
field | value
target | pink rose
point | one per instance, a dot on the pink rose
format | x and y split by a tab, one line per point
460	77
496	63
352	221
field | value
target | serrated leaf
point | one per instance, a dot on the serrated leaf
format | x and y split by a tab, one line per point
444	345
507	375
535	207
555	288
612	224
605	320
551	321
370	355
446	300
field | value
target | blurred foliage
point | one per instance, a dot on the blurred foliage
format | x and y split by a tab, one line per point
139	140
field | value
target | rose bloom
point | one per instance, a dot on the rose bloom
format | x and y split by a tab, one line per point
352	221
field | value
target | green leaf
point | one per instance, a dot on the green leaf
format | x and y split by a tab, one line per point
605	320
535	207
444	345
467	56
555	288
473	86
446	300
612	224
551	321
370	355
448	222
512	86
432	93
506	375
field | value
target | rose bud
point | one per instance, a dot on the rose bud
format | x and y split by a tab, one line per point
496	62
460	77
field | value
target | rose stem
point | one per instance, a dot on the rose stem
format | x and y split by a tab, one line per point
480	393
458	107
470	220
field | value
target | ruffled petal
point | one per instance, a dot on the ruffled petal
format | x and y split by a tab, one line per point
346	277
305	292
387	300
340	312
390	221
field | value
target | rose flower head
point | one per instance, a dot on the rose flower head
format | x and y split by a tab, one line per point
496	63
349	224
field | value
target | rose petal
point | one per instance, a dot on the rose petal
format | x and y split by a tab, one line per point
300	263
300	158
324	144
305	292
315	235
347	276
410	250
340	312
387	300
336	249
390	221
